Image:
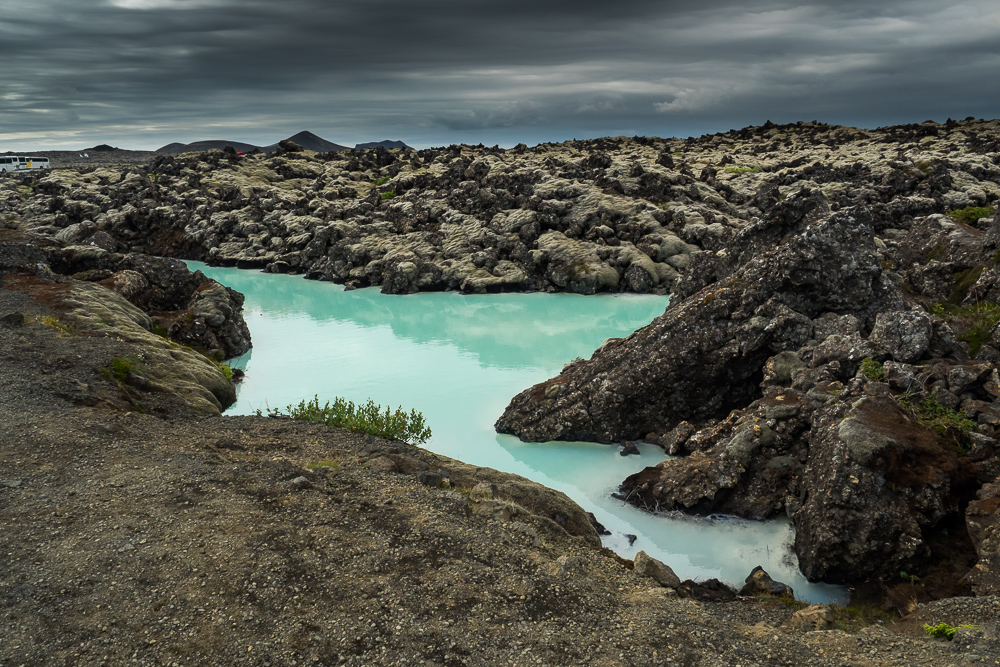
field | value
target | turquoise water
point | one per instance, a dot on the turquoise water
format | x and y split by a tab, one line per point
459	359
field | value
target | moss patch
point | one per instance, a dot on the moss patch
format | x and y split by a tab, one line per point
971	214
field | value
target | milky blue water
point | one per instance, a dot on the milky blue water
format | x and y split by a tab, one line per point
459	359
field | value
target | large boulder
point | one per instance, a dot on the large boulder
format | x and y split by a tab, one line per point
876	484
645	565
904	336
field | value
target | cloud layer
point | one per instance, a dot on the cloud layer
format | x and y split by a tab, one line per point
141	73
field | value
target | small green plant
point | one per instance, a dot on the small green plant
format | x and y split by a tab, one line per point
367	418
227	370
936	252
741	170
964	280
121	366
944	630
972	325
53	323
382	180
872	369
388	194
931	414
971	214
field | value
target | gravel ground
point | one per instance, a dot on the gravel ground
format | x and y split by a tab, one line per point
133	539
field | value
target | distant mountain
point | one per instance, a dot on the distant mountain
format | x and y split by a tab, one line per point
388	145
206	145
310	142
175	147
307	140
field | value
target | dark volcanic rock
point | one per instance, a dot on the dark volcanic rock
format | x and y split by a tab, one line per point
706	355
983	520
842	413
759	582
876	484
192	309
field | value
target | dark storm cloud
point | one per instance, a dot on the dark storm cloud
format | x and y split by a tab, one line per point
145	72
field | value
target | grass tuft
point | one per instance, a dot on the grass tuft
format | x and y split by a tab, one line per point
52	323
121	366
971	325
931	414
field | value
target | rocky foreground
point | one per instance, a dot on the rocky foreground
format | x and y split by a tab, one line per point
829	353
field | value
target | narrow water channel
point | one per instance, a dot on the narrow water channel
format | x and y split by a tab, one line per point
459	359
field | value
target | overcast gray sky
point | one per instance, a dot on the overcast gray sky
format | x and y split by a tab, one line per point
143	73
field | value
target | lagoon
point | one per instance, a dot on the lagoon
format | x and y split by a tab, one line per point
459	359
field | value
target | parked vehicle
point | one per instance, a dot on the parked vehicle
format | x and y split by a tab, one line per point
11	163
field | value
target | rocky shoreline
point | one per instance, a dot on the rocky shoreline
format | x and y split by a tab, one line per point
813	294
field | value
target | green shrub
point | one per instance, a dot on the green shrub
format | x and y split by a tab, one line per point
872	369
121	366
945	630
931	414
388	194
55	323
227	370
382	180
367	418
970	214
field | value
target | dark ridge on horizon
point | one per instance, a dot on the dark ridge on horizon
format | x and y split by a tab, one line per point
388	145
306	139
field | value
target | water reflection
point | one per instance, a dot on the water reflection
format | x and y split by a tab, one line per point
505	330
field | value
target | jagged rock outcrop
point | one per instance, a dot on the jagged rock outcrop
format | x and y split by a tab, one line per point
188	307
115	301
831	385
706	354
